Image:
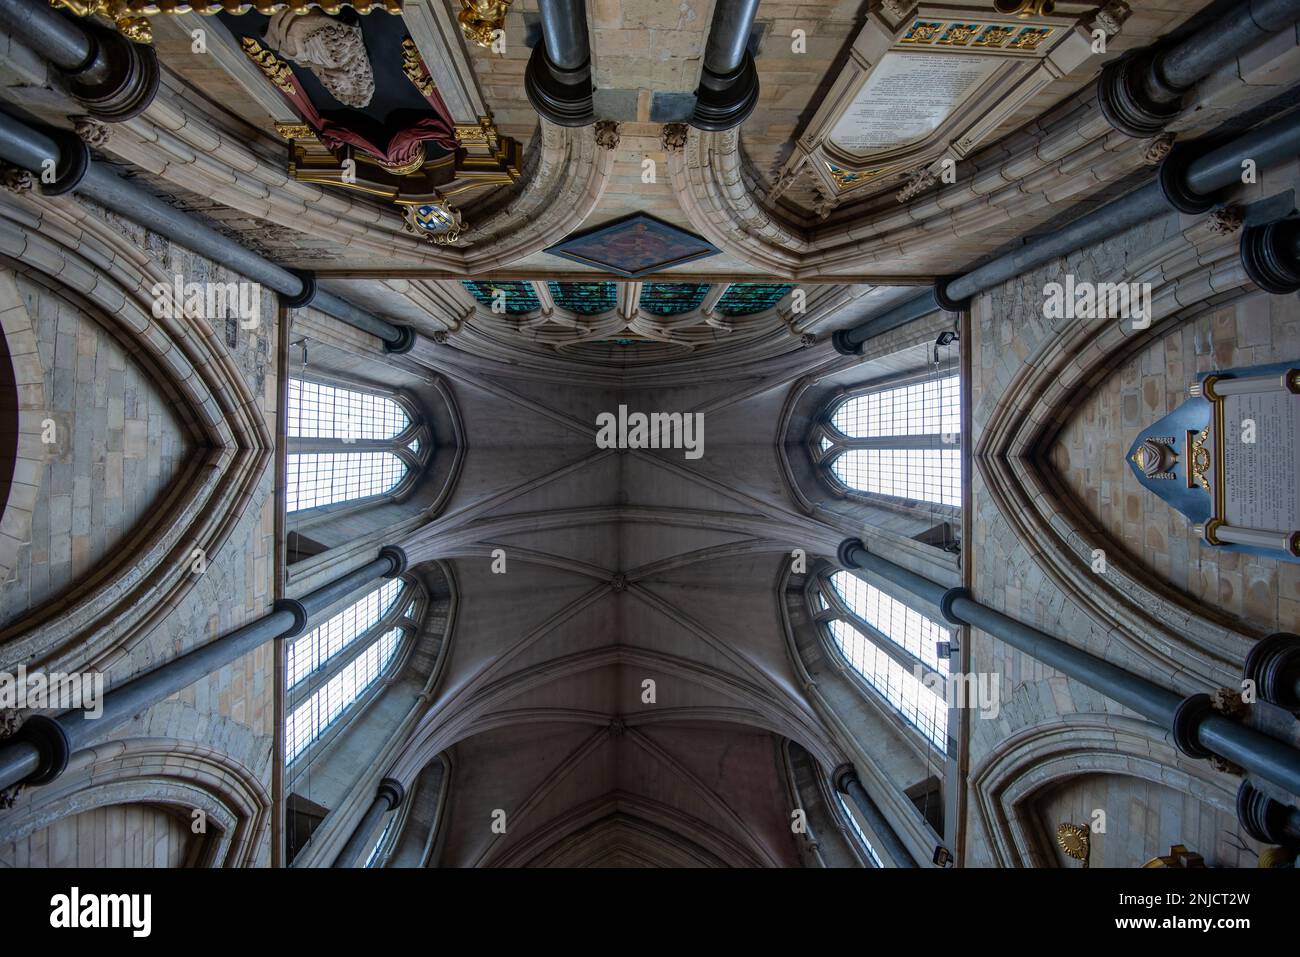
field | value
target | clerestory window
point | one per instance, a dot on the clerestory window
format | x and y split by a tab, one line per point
347	444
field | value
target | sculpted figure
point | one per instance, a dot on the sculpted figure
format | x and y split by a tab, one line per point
334	51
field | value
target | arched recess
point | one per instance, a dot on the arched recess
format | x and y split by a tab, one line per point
95	268
191	781
913	532
564	177
1154	622
324	542
22	413
412	840
1010	783
891	757
830	844
328	774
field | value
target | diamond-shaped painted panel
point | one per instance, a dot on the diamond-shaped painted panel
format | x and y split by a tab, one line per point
634	246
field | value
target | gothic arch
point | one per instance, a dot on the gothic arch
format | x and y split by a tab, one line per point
22	411
888	753
175	140
363	526
1196	646
724	200
347	788
64	246
901	525
1007	779
180	774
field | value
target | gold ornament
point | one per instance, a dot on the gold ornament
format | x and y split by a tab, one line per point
481	19
131	17
1075	840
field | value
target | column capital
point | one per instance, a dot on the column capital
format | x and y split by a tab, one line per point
851	552
119	80
397	555
1188	716
299	612
844	776
945	604
49	738
305	295
391	791
405	341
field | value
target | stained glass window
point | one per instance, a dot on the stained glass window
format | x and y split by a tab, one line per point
748	298
672	298
517	298
584	298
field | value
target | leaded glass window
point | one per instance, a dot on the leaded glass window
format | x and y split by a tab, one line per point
345	444
900	441
857	830
319	646
309	720
901	688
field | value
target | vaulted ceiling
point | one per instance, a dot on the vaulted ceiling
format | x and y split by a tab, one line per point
617	568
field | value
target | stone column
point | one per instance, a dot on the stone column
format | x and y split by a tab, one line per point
1196	729
728	88
846	781
39	752
558	77
387	798
113	78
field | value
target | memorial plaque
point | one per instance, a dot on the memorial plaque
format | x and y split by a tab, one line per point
1261	485
907	97
1229	459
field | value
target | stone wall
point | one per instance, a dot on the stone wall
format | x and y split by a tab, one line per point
1059	751
121	444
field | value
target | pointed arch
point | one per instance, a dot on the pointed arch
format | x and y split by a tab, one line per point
65	246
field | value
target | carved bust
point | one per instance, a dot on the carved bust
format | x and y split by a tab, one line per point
334	51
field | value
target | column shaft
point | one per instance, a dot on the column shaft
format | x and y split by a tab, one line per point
846	780
20	759
1182	185
387	798
29	148
1258	753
